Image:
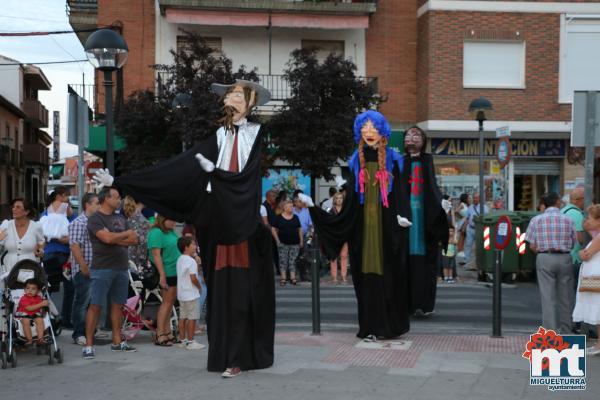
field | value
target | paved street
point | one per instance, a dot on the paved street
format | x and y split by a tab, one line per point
462	308
447	356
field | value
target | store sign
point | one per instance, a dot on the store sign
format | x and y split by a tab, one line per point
519	147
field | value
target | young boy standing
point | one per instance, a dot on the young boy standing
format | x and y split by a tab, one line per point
188	292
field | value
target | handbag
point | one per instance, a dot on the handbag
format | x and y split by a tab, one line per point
590	284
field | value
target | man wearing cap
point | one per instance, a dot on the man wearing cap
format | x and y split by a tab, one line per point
221	197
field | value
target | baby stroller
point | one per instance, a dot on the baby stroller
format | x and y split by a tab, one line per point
142	289
13	336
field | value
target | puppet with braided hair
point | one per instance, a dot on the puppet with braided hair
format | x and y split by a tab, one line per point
370	222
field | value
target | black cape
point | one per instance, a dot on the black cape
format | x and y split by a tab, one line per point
422	270
241	301
382	299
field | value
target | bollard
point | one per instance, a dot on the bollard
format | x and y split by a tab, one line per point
497	297
315	290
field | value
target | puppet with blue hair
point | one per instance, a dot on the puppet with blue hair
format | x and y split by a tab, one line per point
371	224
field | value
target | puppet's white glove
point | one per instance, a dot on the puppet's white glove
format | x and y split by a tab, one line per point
306	200
103	178
446	205
403	222
205	163
339	181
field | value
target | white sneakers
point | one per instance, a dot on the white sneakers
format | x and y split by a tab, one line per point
191	345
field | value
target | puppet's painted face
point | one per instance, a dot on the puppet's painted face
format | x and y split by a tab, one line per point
370	134
236	100
413	142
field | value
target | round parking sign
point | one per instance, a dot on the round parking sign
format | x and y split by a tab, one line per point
503	232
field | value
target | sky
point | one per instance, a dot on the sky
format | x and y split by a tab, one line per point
46	15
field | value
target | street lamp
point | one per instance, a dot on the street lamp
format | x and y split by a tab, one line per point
107	51
182	101
481	109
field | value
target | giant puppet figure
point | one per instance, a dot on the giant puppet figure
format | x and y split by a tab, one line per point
221	197
371	224
421	203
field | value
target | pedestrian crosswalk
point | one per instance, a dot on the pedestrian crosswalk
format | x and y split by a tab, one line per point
460	309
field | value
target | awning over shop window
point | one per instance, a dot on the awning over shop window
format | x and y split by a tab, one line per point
396	141
98	140
57	170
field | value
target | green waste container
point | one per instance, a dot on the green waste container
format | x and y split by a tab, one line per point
486	258
527	260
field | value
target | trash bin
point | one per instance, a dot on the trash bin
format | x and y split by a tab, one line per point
527	259
486	258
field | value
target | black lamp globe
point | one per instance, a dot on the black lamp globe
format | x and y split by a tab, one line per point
181	100
481	109
106	50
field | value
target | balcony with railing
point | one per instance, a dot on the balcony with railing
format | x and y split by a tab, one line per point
34	153
276	84
36	113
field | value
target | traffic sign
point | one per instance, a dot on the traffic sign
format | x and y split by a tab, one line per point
92	167
503	152
503	232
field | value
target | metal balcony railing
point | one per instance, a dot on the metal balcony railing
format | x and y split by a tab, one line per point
276	84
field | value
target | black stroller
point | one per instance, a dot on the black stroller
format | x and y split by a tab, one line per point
12	337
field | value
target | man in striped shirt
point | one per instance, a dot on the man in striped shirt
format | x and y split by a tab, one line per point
552	236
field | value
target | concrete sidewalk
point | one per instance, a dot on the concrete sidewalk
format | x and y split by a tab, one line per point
330	366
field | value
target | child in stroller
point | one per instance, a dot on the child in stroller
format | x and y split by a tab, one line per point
16	333
31	308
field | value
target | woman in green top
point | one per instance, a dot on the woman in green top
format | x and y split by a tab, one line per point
162	246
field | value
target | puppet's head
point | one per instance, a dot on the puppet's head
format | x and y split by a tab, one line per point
238	100
372	129
371	126
415	141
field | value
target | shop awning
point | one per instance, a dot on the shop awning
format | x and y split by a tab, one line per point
98	140
397	141
57	169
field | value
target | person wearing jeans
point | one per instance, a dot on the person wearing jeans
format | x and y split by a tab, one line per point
110	235
81	261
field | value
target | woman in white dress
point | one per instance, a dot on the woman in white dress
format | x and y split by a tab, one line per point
587	304
21	238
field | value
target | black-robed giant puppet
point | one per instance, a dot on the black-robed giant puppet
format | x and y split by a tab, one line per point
421	203
370	222
221	197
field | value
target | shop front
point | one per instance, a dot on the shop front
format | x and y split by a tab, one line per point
536	167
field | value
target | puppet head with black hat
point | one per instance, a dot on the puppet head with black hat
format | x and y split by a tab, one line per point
239	99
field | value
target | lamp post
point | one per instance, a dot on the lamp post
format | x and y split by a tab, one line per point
182	101
481	109
107	51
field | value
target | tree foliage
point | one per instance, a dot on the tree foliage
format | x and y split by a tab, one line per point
152	128
314	128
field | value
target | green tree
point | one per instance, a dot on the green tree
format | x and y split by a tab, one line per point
152	129
315	126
